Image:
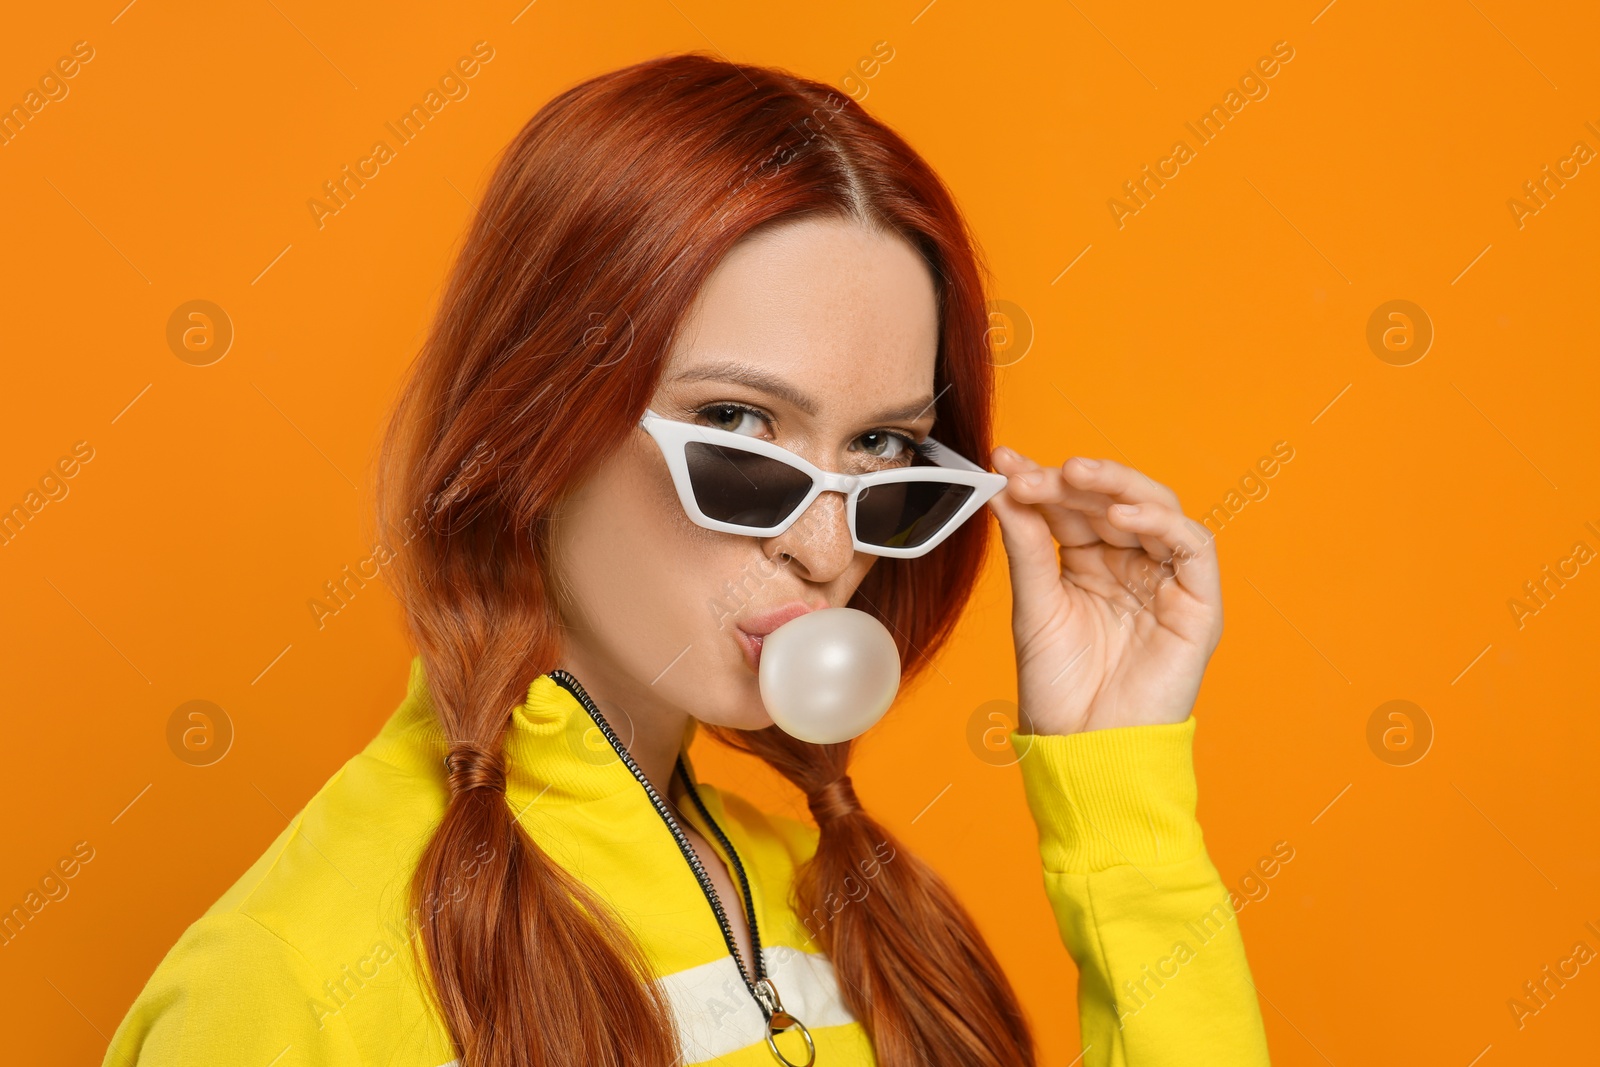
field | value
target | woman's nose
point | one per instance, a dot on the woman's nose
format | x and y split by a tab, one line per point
819	542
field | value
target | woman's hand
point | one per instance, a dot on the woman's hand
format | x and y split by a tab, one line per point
1115	627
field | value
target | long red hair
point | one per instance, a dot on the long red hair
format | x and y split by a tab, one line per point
602	220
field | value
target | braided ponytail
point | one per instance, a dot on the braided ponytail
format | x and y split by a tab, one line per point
502	927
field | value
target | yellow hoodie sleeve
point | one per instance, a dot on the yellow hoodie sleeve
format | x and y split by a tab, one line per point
1162	974
231	991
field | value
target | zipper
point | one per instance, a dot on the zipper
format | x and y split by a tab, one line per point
758	983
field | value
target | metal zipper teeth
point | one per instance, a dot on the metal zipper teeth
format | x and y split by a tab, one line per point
738	867
573	686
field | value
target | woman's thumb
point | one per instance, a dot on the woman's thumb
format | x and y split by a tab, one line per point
1031	552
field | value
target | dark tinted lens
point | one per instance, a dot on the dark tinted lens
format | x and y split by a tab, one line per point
905	514
732	485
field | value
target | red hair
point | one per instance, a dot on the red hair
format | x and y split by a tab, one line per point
603	218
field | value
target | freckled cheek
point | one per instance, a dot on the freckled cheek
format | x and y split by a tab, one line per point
676	571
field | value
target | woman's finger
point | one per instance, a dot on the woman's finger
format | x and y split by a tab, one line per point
1076	515
1181	547
1030	553
1119	481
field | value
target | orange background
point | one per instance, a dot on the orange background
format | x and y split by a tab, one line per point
1228	314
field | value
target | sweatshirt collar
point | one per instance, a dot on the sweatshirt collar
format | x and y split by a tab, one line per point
554	753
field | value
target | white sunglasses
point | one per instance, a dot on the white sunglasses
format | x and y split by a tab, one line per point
738	484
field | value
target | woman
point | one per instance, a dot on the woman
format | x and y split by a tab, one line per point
523	868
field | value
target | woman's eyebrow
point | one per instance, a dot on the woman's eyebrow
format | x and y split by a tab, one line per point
767	382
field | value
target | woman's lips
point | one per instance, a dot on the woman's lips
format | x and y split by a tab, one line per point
764	624
750	645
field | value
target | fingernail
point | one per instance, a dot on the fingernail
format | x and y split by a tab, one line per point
1007	453
1087	462
1032	477
1128	509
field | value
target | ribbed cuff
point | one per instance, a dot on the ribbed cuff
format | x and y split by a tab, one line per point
1121	795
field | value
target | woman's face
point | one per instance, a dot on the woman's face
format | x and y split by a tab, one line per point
819	335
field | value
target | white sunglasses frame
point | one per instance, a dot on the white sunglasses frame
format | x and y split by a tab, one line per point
673	436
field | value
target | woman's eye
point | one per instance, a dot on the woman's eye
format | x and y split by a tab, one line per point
882	445
733	418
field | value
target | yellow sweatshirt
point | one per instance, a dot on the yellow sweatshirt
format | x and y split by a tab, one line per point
303	962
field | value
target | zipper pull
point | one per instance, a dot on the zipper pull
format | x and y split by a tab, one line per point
779	1020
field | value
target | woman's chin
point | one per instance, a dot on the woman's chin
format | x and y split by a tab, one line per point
745	714
733	701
